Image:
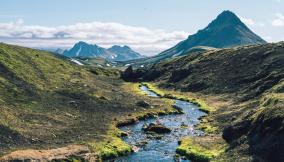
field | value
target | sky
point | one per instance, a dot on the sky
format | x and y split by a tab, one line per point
147	26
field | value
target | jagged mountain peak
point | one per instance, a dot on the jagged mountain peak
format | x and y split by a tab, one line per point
115	53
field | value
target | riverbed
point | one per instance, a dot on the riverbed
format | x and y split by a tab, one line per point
162	148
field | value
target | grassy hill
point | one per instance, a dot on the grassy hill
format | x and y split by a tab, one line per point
50	102
246	87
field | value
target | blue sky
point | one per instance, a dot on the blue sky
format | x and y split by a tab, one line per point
149	26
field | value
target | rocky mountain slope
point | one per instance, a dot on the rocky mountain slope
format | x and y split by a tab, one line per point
249	78
123	53
115	53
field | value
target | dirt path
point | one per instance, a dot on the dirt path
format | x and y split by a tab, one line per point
75	151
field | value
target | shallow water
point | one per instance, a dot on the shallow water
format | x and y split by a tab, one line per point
148	92
162	150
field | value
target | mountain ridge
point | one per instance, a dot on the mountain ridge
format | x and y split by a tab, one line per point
225	31
114	53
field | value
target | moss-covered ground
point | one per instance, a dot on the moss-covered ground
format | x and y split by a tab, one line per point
47	102
243	88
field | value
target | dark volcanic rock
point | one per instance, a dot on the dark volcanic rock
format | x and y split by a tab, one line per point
233	132
130	75
157	128
143	104
126	122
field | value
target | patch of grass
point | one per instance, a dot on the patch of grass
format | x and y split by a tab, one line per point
207	128
103	71
134	88
112	148
271	99
178	95
200	149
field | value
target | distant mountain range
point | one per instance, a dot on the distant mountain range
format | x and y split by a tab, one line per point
115	53
227	30
123	53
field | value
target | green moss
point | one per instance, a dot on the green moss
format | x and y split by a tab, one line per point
270	99
196	152
176	95
103	71
111	148
134	88
209	129
115	148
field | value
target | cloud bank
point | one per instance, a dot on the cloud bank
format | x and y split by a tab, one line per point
279	20
144	40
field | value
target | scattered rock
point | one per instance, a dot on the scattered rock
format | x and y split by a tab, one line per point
233	132
157	128
154	135
127	122
143	104
183	125
135	149
103	98
178	108
123	134
141	143
170	96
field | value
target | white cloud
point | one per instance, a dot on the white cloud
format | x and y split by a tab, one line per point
251	22
105	34
279	20
267	38
247	21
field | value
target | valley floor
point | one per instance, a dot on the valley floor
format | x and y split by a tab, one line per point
52	109
92	140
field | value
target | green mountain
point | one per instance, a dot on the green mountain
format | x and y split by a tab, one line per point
227	30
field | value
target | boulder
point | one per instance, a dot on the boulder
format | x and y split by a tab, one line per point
157	128
153	135
127	122
141	143
179	109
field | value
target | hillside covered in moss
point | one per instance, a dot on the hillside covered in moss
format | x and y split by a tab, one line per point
48	102
248	80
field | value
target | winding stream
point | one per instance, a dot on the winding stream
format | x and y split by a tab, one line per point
162	150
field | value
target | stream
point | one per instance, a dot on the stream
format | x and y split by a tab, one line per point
162	149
